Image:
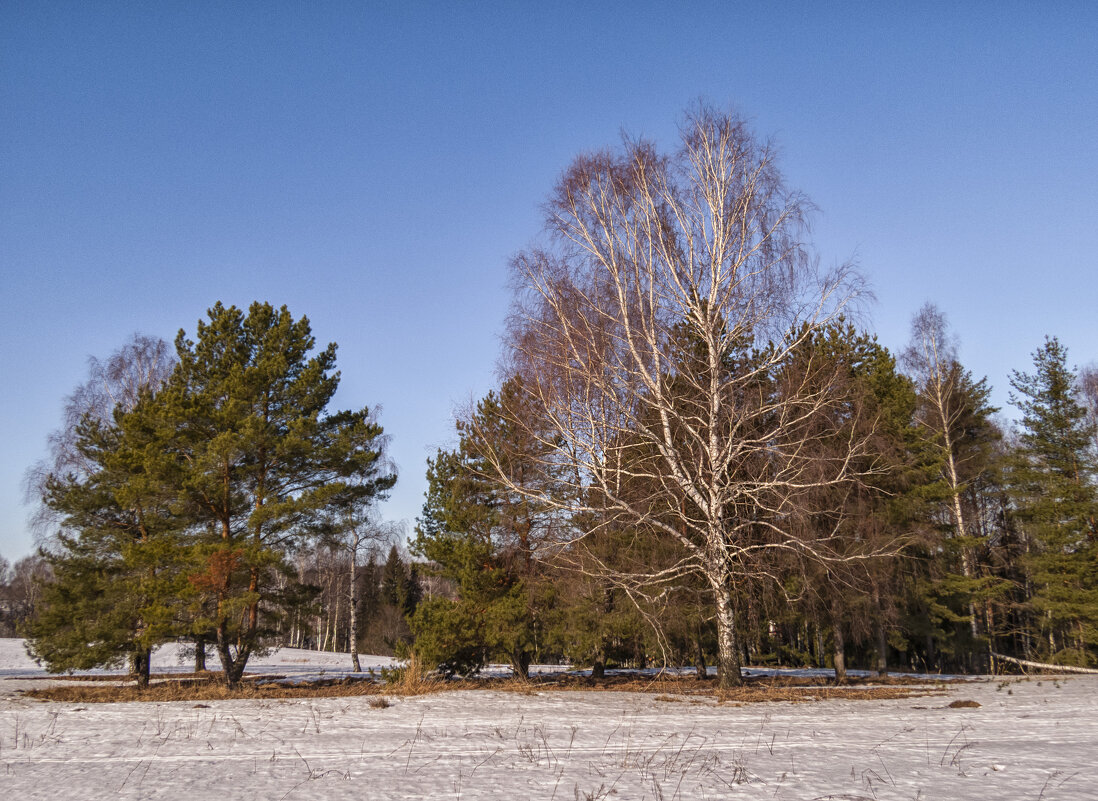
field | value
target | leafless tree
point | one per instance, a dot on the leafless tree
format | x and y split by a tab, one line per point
364	534
143	363
649	333
1088	394
20	587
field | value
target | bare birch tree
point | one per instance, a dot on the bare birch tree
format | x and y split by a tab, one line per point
1088	396
364	533
142	364
650	334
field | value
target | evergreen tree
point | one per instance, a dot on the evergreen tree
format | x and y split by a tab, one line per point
189	503
954	416
1052	480
484	537
257	461
858	521
119	559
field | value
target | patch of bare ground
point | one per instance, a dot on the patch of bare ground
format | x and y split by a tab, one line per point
666	687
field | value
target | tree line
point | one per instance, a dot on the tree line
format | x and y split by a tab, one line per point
696	457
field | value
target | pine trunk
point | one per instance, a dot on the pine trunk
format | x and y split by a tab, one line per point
142	666
199	653
520	665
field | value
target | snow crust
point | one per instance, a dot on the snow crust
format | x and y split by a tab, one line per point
1028	739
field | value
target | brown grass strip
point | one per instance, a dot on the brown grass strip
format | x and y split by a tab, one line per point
412	681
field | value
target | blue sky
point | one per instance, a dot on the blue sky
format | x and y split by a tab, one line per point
374	165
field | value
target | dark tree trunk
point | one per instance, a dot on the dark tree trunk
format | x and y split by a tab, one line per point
699	659
232	667
141	666
200	653
520	664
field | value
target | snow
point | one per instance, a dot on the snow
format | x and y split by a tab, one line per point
294	663
1028	739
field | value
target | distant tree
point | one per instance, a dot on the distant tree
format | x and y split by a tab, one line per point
1053	485
360	534
1088	396
20	589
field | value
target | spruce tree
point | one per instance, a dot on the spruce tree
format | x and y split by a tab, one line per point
859	522
1053	484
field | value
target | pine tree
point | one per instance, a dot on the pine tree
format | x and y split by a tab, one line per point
256	463
859	522
484	538
118	562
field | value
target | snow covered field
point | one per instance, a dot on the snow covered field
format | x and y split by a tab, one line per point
1033	740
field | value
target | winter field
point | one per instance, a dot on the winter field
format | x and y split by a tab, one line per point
1031	739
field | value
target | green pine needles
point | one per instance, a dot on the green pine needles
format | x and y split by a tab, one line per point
192	500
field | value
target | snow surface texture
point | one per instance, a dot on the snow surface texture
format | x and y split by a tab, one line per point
1034	739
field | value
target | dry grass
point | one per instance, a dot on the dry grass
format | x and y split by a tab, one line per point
749	694
413	680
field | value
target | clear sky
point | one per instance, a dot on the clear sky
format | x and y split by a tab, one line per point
374	165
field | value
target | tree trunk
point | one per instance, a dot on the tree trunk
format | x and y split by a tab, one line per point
520	664
232	667
839	650
353	624
141	665
699	658
882	649
199	653
728	651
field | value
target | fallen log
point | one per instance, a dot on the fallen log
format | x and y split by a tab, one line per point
1044	665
